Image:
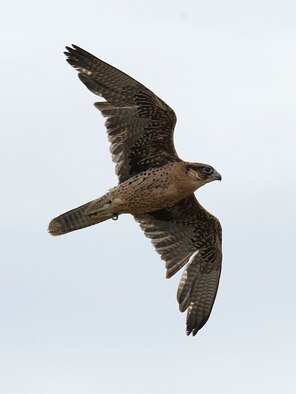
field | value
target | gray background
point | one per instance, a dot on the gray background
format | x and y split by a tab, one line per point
91	312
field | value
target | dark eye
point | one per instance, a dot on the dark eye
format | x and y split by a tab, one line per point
207	170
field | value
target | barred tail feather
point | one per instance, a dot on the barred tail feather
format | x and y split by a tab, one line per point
86	215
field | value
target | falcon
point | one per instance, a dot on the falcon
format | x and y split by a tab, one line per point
155	185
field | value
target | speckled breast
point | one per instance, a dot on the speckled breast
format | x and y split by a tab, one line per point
151	190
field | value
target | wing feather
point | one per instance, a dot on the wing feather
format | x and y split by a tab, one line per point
140	125
185	234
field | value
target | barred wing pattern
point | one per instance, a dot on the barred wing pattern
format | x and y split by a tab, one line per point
140	125
187	234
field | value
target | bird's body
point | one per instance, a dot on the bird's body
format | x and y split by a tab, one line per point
145	192
155	185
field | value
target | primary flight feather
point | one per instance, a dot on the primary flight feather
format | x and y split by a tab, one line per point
155	185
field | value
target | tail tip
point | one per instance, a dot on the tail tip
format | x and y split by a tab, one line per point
54	228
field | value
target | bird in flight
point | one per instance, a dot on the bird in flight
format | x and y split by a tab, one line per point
155	185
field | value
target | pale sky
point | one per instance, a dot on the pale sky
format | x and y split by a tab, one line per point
91	312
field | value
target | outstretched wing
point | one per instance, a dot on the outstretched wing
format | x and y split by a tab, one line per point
140	125
186	234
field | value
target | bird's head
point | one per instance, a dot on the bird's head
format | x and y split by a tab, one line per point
201	173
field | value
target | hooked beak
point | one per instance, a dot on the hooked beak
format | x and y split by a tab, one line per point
216	176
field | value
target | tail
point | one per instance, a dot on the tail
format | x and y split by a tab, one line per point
91	213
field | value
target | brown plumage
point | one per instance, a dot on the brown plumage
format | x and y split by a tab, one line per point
155	185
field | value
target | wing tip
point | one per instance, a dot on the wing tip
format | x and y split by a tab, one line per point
192	331
73	49
78	57
70	50
194	327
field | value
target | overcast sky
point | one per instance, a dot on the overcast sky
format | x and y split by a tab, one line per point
91	312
